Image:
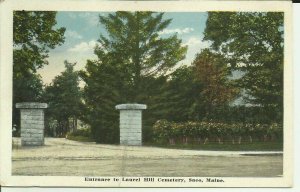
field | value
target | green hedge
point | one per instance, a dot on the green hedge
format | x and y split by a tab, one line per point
80	135
203	132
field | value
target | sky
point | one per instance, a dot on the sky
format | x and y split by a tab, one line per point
83	30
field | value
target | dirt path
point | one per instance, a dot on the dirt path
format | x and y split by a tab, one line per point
62	157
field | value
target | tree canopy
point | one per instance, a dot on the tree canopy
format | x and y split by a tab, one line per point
135	45
217	90
132	53
64	98
34	35
252	42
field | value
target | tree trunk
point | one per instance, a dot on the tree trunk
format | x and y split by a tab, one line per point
54	130
171	141
184	140
206	140
219	141
75	126
240	139
67	127
199	140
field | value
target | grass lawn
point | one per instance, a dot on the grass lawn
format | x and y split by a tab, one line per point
80	138
213	146
255	146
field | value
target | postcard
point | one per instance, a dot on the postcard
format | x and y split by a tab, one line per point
146	93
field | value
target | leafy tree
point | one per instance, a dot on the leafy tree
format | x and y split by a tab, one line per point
130	56
64	99
177	96
252	42
217	90
101	95
33	35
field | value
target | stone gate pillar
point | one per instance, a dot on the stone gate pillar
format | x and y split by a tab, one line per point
32	123
131	123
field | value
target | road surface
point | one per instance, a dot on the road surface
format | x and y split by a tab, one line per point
62	157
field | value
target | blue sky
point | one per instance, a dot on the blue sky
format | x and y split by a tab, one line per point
83	30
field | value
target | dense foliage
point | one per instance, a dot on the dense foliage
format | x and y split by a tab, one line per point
203	132
131	57
63	96
33	36
252	42
217	90
133	44
135	64
101	95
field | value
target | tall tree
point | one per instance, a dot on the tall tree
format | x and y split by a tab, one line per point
177	96
253	43
64	99
217	89
134	42
129	55
33	35
101	94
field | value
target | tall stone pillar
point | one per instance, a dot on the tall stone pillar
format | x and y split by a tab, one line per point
32	123
131	123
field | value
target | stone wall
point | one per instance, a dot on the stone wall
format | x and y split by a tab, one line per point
32	123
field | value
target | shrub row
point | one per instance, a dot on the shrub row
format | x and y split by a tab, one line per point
203	132
86	132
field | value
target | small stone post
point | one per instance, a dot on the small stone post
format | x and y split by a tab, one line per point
131	123
32	123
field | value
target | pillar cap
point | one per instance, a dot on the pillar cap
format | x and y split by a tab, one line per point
131	106
31	105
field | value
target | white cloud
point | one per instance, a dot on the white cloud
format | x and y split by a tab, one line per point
195	45
73	34
177	30
193	41
84	46
56	63
91	18
197	42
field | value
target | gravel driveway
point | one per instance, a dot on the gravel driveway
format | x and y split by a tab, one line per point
62	157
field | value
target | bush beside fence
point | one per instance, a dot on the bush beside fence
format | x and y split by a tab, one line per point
204	132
